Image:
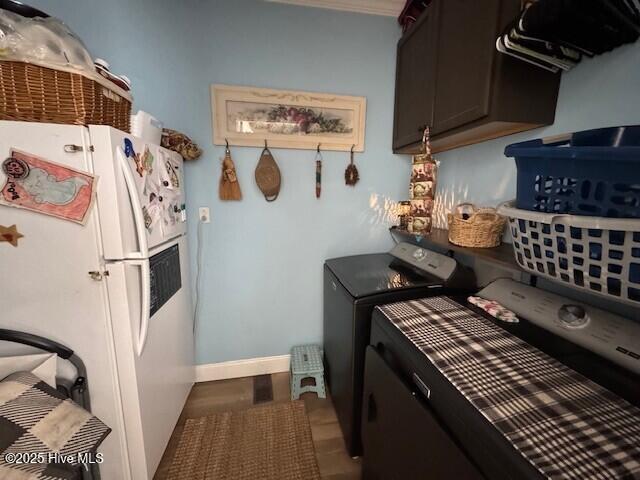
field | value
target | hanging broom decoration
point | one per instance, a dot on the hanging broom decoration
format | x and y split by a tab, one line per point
229	186
351	175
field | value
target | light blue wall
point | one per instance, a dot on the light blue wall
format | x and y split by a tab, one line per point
263	261
602	91
262	275
149	41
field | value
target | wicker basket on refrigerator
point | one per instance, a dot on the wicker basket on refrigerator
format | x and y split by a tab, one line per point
35	93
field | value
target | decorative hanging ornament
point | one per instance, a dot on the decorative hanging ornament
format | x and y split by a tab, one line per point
268	175
351	175
318	172
229	185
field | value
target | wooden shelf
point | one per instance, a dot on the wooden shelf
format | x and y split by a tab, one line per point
438	240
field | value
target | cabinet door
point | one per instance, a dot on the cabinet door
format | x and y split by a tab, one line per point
402	439
466	49
415	79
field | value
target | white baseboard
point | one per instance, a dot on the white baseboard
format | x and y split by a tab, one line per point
242	368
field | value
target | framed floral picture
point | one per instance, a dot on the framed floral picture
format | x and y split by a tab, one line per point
248	116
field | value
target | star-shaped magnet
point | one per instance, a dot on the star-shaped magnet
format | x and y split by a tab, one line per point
10	234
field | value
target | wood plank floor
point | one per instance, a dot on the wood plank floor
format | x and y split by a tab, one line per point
237	394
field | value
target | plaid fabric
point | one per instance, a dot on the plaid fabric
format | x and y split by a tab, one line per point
36	471
37	419
565	425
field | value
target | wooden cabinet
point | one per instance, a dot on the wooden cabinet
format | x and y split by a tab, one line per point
463	71
450	76
414	82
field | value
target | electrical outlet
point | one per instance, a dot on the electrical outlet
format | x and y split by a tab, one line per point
203	214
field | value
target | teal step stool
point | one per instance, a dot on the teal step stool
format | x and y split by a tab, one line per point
306	362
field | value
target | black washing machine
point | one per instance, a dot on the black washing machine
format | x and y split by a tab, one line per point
417	425
353	286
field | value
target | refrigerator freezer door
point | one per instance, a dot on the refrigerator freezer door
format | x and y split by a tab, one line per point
140	197
46	288
156	382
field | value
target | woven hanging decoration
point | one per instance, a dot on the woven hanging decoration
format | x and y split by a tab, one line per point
351	175
422	188
268	175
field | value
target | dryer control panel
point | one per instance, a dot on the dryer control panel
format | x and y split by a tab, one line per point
611	336
428	261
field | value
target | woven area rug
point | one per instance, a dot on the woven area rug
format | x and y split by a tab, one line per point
270	442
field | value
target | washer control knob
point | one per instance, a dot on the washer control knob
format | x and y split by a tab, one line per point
573	316
419	254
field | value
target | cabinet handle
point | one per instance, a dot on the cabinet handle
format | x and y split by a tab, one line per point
372	409
70	148
426	391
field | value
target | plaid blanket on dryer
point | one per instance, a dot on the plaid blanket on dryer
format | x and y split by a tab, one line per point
565	425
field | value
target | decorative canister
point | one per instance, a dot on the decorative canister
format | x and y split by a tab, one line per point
419	225
404	210
422	188
421	207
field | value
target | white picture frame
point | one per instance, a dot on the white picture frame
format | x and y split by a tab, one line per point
247	116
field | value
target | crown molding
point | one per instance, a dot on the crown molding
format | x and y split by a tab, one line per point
391	8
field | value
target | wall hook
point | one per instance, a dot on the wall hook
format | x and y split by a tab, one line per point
318	149
227	145
352	147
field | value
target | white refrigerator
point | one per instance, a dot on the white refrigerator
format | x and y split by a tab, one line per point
115	290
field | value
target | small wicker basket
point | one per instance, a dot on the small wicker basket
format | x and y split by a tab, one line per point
34	93
483	228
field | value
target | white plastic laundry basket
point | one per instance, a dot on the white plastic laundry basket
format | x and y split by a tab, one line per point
598	254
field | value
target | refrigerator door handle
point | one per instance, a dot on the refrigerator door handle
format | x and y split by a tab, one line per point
145	307
135	205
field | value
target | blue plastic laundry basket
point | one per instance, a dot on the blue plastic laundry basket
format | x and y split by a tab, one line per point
594	173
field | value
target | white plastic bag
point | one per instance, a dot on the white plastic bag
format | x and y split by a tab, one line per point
44	41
